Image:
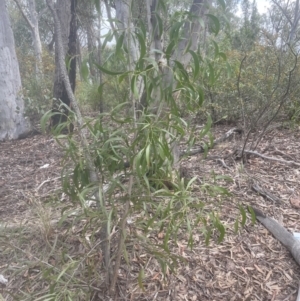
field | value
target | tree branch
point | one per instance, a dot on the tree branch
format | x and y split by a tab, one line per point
24	14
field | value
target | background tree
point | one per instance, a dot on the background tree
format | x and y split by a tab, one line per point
32	17
66	11
13	123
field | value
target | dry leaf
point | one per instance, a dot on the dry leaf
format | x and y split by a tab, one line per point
295	202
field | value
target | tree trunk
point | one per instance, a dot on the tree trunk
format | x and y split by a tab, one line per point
101	102
13	124
91	39
66	11
123	15
32	20
189	41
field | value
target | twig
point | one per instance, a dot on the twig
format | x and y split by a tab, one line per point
291	163
265	193
223	163
46	181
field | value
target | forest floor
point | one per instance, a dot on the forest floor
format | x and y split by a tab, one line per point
248	265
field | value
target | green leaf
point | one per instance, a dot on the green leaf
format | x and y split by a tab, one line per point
216	22
147	152
182	70
45	119
253	216
48	297
119	43
211	74
222	3
108	71
216	48
200	97
191	182
170	49
123	76
134	88
100	88
159	23
221	229
196	63
108	38
84	70
223	56
207	237
142	44
207	127
236	225
141	278
97	5
243	213
152	62
174	32
161	5
142	29
229	70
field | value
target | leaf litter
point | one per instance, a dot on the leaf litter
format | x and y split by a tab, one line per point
247	265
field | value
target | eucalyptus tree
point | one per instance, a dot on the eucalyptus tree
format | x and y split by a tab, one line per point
290	16
13	123
32	16
66	11
160	46
162	53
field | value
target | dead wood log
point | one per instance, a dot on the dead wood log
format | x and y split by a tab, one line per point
280	233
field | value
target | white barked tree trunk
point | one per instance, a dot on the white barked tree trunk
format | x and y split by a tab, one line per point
13	123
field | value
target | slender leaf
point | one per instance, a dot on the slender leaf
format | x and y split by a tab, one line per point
243	213
108	71
216	22
119	43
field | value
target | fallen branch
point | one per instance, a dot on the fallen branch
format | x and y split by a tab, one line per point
280	233
290	163
265	193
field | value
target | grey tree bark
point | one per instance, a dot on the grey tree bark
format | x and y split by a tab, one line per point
125	24
13	123
190	39
292	16
32	18
67	17
101	102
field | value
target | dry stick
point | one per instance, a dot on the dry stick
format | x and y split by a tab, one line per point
291	163
64	75
265	193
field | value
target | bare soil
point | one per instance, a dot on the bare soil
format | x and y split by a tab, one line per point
247	265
